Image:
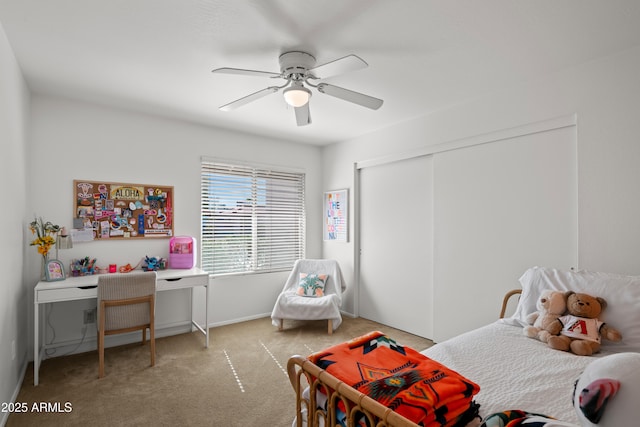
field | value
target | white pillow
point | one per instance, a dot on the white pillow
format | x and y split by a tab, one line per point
622	294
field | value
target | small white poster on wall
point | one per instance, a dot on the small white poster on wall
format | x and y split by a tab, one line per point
335	227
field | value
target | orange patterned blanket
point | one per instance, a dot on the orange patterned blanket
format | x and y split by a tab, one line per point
420	389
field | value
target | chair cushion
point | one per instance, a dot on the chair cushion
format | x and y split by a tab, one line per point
312	285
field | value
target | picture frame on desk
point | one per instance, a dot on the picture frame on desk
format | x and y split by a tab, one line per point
54	270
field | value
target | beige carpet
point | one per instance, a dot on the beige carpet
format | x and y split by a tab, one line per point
240	380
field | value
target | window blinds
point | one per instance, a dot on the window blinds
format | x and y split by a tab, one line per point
253	219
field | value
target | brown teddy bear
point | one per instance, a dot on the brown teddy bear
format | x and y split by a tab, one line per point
582	331
551	305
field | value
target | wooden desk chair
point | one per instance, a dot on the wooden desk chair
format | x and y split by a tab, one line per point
126	303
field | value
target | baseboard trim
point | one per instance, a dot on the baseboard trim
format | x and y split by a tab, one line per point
239	320
258	316
14	396
90	343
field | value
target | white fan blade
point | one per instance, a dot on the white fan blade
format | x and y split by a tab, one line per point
339	66
240	71
249	98
351	96
303	117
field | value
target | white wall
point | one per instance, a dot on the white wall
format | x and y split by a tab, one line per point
604	96
14	120
88	142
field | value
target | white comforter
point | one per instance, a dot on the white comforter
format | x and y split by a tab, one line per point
514	371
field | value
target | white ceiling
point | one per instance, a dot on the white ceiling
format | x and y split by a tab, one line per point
156	56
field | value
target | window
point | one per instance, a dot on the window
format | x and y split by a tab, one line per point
253	219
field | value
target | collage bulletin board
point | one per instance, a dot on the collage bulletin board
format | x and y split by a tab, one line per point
335	216
114	210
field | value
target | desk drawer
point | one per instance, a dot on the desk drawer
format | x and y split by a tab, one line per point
66	294
182	282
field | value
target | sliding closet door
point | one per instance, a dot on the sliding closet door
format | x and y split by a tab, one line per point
500	208
396	244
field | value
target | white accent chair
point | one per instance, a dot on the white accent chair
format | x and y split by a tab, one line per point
290	305
126	303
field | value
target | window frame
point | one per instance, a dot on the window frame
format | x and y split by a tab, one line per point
270	207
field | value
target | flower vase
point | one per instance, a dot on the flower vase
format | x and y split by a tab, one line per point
43	268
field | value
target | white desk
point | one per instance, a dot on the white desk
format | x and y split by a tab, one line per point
85	287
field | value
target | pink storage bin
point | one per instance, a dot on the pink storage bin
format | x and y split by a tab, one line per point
182	252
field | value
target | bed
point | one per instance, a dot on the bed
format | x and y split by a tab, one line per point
513	371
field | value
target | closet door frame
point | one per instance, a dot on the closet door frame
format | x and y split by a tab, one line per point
504	134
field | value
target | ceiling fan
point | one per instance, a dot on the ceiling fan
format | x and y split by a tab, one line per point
299	69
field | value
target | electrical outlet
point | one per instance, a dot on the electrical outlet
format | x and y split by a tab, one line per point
90	316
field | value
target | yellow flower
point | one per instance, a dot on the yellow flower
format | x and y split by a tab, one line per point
45	232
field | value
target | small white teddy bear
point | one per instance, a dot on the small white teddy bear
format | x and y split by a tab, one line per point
551	305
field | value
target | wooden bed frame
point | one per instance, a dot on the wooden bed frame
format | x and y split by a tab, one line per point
304	373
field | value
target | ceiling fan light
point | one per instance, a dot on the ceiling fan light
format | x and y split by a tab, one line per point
297	96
